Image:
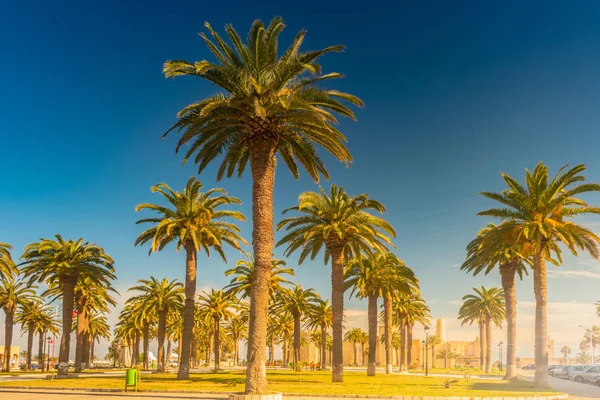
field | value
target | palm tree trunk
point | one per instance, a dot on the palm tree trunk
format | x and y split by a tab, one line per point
362	352
296	342
80	332
272	349
167	357
409	338
402	362
92	345
284	349
372	316
8	333
67	323
263	240
481	345
387	332
41	349
162	327
146	333
355	355
508	272
85	351
29	345
432	355
217	345
541	319
488	340
337	307
323	347
188	311
236	350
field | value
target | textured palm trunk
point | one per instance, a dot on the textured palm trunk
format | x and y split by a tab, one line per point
146	334
30	327
85	351
217	345
337	307
372	316
263	240
162	327
284	349
67	322
481	344
488	344
168	355
188	311
362	352
402	359
432	355
541	319
236	350
409	337
355	354
194	352
92	344
41	350
323	347
387	332
296	342
8	333
508	273
397	358
82	325
272	350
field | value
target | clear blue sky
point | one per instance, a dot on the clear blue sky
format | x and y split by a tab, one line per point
455	92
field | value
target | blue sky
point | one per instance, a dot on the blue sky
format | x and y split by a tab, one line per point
455	93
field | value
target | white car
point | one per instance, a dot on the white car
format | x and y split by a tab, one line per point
586	375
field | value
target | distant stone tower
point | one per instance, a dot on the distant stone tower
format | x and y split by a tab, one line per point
440	329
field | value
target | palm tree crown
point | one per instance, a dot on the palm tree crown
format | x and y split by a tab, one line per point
244	274
7	265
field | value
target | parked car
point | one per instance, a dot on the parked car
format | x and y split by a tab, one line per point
552	368
567	372
529	367
555	371
595	380
586	375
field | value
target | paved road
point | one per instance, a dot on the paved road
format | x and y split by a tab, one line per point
576	391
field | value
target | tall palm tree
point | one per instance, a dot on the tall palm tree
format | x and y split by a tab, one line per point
501	247
46	324
194	220
284	328
145	318
217	306
408	310
434	341
299	302
237	329
542	212
160	297
592	337
268	105
489	306
7	265
344	226
241	284
566	352
98	328
354	336
13	293
320	316
27	316
62	263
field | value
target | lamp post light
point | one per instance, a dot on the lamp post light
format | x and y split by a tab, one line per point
593	343
500	362
426	350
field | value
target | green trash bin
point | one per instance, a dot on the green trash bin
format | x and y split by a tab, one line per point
131	376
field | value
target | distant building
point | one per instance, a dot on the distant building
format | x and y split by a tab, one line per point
14	354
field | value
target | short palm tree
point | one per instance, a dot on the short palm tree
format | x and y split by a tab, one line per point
269	105
345	228
45	323
243	273
598	308
217	306
194	221
354	336
97	329
13	293
592	337
320	316
489	306
237	329
409	309
542	212
566	353
160	297
434	341
7	265
284	327
62	262
299	302
27	316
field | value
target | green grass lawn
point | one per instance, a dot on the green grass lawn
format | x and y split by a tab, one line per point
313	382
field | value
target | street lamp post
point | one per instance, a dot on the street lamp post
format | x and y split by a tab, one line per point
426	350
500	362
593	343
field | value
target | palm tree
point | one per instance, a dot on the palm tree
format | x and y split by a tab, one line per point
299	302
566	352
433	341
598	308
45	323
499	247
489	306
284	327
7	265
97	329
194	221
144	319
592	337
363	340
217	306
320	316
13	293
354	336
244	270
542	212
160	297
27	316
268	105
408	310
343	225
237	329
60	262
444	354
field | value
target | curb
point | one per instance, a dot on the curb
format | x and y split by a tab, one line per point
347	396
